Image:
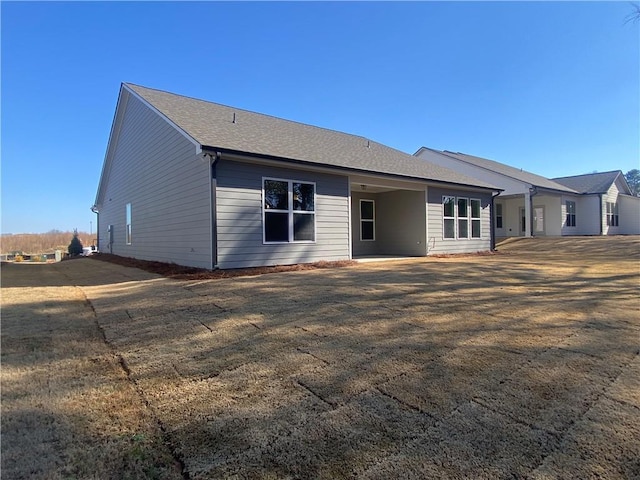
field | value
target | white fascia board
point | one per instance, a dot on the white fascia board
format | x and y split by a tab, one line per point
166	119
121	105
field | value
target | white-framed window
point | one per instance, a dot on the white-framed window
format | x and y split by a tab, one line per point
461	217
448	216
612	214
475	206
367	220
288	211
128	223
571	213
499	214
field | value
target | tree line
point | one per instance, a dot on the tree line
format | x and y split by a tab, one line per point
36	243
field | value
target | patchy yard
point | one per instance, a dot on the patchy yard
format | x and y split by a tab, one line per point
524	364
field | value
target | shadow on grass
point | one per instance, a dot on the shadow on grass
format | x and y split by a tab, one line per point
435	368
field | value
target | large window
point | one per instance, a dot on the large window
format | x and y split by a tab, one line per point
128	224
475	218
367	220
449	217
288	211
461	217
612	214
498	215
571	214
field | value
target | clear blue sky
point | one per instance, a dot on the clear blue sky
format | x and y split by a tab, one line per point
549	87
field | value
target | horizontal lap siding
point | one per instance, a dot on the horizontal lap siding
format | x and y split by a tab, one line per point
629	214
439	245
403	228
239	217
156	169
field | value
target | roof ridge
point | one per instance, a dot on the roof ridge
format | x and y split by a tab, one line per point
252	112
587	174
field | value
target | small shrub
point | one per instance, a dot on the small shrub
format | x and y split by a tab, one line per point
75	247
18	258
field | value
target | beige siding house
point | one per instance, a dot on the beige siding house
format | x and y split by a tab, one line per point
207	185
532	205
607	206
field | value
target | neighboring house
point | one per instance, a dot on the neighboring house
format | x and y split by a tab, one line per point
608	201
206	185
529	204
533	205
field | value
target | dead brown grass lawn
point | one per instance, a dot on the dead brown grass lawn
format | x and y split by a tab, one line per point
524	364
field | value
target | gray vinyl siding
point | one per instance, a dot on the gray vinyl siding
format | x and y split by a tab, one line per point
367	247
239	217
400	223
156	169
439	245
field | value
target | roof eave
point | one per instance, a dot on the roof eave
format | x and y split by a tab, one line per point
212	149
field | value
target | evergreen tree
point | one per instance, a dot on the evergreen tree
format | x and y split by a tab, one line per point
633	179
75	247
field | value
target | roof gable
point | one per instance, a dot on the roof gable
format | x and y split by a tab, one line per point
593	182
511	172
216	126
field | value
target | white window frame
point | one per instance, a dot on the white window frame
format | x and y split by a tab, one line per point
127	228
456	218
367	220
613	220
445	199
466	218
500	215
570	216
477	219
289	211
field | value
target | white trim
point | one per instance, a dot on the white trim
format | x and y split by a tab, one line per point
469	218
466	217
478	218
289	211
373	220
502	209
567	214
127	224
455	227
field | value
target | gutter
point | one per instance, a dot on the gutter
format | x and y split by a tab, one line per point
240	155
601	222
95	209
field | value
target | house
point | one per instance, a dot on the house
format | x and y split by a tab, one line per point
532	205
207	185
609	201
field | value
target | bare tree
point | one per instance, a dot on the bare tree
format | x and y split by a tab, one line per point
634	16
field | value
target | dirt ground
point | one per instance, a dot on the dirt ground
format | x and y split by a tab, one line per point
523	364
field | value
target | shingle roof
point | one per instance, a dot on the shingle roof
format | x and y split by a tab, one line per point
512	172
590	182
216	126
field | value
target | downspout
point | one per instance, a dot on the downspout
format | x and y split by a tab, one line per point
95	210
601	222
213	185
533	191
492	222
